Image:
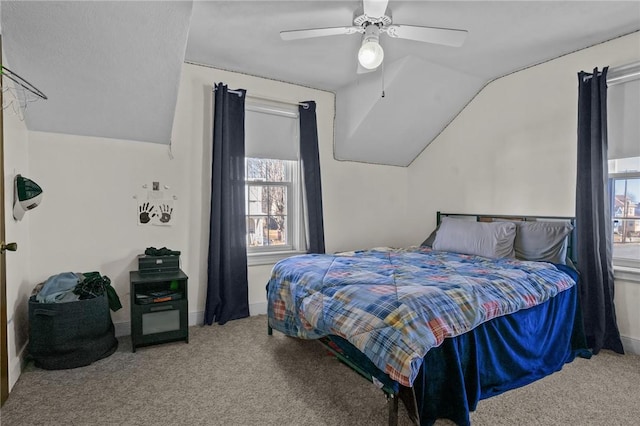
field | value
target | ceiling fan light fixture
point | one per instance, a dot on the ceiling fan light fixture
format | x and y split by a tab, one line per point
371	54
372	19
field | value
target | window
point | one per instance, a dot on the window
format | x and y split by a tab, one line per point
624	175
270	193
623	101
273	202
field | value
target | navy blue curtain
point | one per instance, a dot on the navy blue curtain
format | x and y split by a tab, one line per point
310	159
227	285
593	215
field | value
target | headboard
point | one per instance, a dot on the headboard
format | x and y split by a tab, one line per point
571	241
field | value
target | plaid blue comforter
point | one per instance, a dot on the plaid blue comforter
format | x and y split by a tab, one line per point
396	304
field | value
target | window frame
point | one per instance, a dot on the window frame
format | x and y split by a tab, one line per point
625	269
296	243
621	262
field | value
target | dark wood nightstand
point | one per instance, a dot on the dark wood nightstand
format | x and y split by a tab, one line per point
159	308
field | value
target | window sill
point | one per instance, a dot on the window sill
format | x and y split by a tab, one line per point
270	258
626	273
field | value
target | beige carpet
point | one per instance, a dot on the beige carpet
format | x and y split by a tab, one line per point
237	375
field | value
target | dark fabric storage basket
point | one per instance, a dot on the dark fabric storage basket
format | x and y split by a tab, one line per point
72	334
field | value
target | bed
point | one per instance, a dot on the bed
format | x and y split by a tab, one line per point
486	304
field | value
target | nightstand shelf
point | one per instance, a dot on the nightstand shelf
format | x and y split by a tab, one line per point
159	308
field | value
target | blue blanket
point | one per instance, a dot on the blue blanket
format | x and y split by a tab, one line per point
502	354
395	305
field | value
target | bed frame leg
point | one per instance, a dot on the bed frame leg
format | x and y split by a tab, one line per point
392	401
408	397
269	330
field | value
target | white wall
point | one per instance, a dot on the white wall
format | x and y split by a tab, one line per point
363	204
17	265
87	220
512	150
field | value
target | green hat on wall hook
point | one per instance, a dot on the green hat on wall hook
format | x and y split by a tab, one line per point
27	195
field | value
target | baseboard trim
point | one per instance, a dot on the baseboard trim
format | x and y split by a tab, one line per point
122	328
194	318
258	309
17	365
631	346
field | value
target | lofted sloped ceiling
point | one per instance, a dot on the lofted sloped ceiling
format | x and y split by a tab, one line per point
108	68
425	85
394	129
111	68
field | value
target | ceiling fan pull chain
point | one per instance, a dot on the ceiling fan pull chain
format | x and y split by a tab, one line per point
382	70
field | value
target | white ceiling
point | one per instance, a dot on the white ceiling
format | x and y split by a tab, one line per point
111	69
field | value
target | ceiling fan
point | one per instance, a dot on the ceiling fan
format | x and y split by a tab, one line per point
373	19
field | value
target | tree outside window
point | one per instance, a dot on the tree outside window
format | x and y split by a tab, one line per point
269	184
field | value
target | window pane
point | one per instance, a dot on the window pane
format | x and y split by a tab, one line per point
277	230
626	222
267	216
255	200
626	239
626	198
277	196
267	170
255	231
265	231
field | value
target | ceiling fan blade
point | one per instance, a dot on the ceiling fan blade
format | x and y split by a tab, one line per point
317	32
445	36
374	8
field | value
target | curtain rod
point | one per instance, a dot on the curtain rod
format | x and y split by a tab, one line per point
623	73
266	98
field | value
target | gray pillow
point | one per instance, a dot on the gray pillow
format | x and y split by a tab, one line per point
488	239
431	238
542	241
